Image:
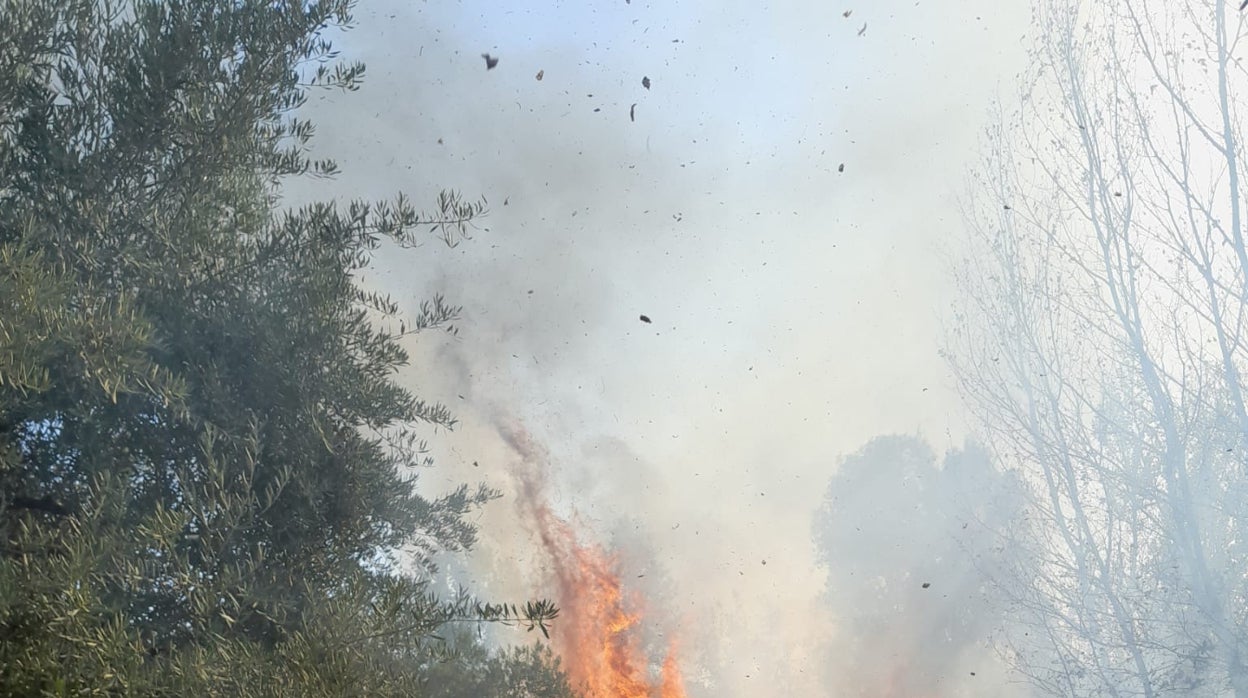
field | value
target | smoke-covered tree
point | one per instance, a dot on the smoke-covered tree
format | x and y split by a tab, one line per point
910	545
1102	339
206	465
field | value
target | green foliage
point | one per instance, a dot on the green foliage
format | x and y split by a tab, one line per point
66	634
472	671
203	450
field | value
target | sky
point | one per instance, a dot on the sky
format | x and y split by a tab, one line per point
796	308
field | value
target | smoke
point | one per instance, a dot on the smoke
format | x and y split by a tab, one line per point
794	305
917	609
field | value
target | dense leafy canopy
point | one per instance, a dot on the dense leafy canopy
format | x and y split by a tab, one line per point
205	461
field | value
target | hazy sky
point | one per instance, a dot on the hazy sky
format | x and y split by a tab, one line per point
796	309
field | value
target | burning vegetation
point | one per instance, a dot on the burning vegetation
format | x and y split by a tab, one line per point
600	633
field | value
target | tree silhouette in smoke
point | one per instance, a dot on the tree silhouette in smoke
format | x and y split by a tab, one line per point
910	544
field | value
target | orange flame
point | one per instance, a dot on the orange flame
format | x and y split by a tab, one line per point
673	684
597	631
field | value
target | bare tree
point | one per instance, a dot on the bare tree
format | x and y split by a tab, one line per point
1101	340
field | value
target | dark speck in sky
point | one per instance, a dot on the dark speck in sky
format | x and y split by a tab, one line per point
645	319
490	61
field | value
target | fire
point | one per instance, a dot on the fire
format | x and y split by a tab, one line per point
598	632
673	684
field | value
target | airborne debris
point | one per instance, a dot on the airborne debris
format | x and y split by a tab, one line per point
540	75
645	319
863	30
926	584
847	13
840	167
490	61
632	112
645	82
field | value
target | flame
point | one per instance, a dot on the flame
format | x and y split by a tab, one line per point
598	632
672	682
